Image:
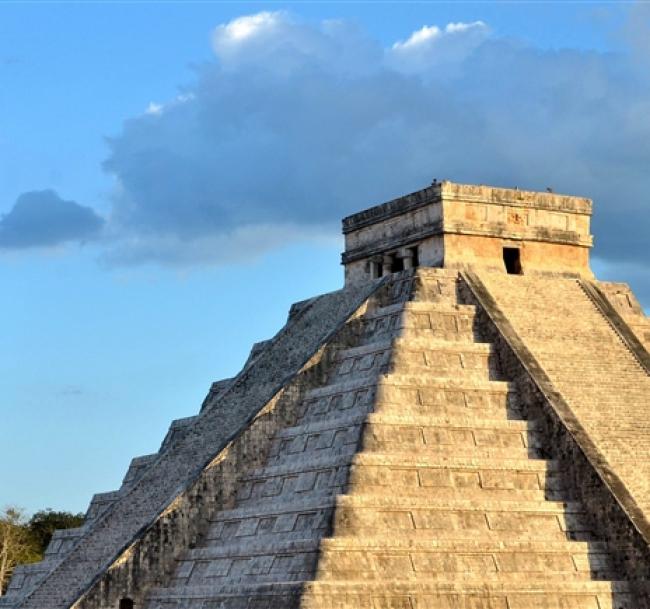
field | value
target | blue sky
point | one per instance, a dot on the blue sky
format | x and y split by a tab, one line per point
172	176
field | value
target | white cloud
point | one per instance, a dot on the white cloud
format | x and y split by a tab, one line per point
427	33
253	38
154	108
435	51
245	27
453	28
298	124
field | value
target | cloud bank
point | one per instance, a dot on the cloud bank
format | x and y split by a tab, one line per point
42	219
293	125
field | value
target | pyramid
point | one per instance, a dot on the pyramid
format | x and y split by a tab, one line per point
463	426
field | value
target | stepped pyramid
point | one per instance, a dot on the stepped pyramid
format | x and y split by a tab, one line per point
463	426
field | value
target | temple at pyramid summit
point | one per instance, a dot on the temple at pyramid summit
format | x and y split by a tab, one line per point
464	425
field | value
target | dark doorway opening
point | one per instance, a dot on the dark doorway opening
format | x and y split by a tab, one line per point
416	258
512	260
126	603
398	264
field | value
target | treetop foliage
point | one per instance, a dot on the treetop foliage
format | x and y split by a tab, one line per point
24	541
44	522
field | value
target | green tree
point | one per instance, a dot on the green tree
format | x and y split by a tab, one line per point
17	544
43	524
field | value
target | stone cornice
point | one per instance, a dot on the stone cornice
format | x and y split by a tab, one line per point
467	193
391	209
437	229
512	197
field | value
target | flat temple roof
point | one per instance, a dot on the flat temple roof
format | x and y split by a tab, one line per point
477	192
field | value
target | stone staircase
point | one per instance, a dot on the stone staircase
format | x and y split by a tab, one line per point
410	480
592	368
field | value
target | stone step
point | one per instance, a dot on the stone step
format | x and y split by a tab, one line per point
444	471
414	344
451	436
502	411
339	449
276	508
375	567
421	306
468	422
431	392
438	493
137	466
432	567
100	502
380	432
332	473
456	462
297	467
446	321
438	403
410	380
435	451
333	424
435	486
409	420
409	390
464	335
432	357
465	544
399	544
452	594
336	436
442	372
359	514
477	594
398	503
405	460
412	502
407	380
220	536
441	361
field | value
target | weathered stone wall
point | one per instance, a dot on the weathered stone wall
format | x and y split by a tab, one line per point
464	251
393	231
516	213
459	225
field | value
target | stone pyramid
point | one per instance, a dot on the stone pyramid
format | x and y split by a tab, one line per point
463	426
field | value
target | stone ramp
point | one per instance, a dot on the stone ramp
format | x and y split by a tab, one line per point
120	527
601	380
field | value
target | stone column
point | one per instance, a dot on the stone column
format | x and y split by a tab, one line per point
388	264
375	267
407	256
